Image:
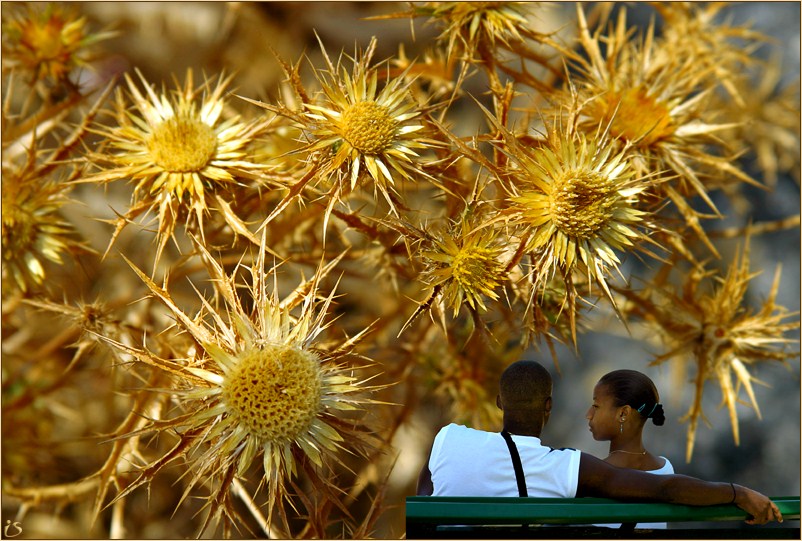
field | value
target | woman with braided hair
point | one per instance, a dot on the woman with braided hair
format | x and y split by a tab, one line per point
623	401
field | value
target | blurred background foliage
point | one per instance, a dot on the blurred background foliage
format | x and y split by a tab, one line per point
85	340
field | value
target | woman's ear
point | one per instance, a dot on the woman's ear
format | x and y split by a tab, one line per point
624	412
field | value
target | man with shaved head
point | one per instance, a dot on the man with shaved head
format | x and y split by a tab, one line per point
468	462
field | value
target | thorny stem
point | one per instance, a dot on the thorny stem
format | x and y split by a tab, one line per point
240	491
756	229
69	492
117	528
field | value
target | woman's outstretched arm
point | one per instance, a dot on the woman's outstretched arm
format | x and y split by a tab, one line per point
597	478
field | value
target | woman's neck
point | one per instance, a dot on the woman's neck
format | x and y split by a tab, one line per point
627	443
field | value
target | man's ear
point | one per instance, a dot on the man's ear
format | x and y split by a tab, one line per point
546	410
498	402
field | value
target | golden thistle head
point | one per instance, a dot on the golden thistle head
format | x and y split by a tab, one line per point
34	232
465	264
363	129
179	148
47	41
262	385
575	200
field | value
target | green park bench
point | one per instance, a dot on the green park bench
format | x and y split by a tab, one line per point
430	517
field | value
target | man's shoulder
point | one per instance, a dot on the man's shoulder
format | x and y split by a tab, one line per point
458	428
454	431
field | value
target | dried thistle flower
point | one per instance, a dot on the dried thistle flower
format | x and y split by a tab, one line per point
47	41
574	200
261	382
464	264
710	327
658	104
362	125
36	185
356	127
479	33
33	231
469	26
180	150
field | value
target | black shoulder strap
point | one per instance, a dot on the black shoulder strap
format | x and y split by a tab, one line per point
516	464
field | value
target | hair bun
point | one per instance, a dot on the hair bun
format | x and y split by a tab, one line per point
658	415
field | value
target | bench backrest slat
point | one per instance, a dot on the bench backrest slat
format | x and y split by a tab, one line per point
490	511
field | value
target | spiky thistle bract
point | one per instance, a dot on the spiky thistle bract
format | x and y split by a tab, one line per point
706	324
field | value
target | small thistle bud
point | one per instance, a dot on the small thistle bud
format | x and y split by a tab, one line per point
467	265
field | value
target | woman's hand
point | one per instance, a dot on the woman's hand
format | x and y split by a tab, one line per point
760	507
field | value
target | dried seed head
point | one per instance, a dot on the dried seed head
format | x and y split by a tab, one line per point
179	148
471	265
267	388
635	116
466	263
275	392
368	126
33	231
47	42
471	25
575	201
581	203
365	128
182	144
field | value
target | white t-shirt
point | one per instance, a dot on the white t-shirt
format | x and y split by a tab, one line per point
666	469
469	462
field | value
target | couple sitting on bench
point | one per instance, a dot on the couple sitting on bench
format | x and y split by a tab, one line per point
469	462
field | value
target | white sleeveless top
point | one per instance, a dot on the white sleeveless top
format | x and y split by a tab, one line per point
666	469
470	462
